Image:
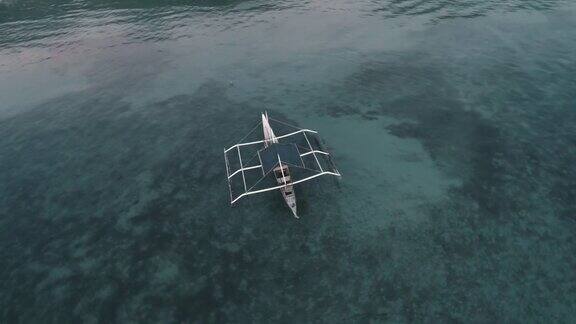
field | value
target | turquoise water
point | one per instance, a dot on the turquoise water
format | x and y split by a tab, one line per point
452	122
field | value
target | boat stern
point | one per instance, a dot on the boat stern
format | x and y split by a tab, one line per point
290	199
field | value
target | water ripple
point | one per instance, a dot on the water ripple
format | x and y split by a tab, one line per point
25	24
34	23
447	9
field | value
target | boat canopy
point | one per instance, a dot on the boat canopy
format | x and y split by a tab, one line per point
275	153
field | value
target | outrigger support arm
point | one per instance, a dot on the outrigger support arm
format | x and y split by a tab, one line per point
242	168
277	137
230	175
227	175
282	186
313	153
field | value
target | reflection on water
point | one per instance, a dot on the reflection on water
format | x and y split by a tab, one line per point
452	123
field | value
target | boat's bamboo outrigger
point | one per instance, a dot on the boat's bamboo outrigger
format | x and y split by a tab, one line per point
280	159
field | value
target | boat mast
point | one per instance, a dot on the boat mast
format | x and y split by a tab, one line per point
269	136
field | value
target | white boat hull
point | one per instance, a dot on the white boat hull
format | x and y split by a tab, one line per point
290	201
282	172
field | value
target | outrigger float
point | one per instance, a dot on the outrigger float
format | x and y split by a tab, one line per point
291	158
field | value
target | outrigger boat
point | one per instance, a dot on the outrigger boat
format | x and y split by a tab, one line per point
291	158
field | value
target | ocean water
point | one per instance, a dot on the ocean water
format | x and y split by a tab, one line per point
452	122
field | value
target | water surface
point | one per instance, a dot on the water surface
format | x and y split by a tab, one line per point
453	123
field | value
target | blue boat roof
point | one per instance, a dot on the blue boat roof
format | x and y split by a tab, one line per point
287	153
